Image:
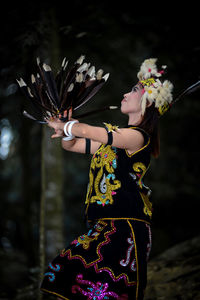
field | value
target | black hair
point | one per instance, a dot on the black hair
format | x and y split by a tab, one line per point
150	124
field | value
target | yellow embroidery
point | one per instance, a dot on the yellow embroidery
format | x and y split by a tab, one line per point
130	155
148	82
106	234
86	239
50	292
163	108
147	205
104	184
111	127
126	219
140	169
96	261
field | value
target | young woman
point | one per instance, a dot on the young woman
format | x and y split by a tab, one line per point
110	260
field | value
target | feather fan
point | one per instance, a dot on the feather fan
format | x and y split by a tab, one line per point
49	96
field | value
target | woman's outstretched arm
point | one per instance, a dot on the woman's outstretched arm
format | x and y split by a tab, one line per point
76	144
79	145
124	138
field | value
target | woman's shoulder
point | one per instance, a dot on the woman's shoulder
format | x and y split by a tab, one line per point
145	134
128	130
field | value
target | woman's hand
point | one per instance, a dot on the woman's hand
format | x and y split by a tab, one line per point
58	125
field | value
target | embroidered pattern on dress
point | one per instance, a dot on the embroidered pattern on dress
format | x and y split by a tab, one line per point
94	263
95	291
92	235
126	262
105	184
139	172
149	245
51	275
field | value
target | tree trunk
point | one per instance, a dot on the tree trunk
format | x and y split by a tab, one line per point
53	195
51	207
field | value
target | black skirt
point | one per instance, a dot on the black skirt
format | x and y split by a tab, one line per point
108	262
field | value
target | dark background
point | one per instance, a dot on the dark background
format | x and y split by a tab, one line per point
116	37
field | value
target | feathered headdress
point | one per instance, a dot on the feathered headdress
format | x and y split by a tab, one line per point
154	90
157	91
50	96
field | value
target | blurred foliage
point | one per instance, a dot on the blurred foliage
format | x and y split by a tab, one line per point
116	38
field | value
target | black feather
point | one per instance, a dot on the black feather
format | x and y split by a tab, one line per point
192	88
50	96
96	111
51	85
90	91
33	118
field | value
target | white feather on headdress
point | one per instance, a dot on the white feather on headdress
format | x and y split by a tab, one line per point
155	91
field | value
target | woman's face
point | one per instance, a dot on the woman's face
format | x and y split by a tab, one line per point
131	102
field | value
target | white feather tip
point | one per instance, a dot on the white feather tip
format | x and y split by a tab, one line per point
21	82
46	67
105	77
80	59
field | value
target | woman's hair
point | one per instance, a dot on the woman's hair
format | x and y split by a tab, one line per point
150	124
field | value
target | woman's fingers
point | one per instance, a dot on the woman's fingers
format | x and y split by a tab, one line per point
56	135
70	113
54	124
51	124
65	114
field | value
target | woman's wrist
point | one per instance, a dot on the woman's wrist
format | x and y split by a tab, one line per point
67	128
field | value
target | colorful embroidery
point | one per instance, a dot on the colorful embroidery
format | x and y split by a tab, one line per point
86	239
56	268
126	262
95	291
51	275
104	186
147	205
139	172
136	257
94	263
149	245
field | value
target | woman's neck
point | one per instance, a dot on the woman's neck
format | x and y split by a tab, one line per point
134	119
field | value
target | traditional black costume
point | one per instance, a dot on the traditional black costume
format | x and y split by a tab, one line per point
110	260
